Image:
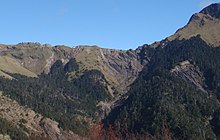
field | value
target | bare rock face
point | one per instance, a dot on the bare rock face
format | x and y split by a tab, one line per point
191	73
51	128
104	108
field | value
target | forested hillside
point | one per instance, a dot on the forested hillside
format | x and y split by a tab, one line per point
161	104
72	103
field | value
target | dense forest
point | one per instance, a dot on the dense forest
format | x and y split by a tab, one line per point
59	97
162	105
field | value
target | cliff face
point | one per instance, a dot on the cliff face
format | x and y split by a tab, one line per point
190	73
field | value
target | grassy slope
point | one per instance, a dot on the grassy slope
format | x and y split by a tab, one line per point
205	26
33	58
11	65
91	59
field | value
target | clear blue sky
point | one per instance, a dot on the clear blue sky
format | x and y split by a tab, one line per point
119	24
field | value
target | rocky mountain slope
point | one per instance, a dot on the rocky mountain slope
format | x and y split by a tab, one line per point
176	95
167	90
31	59
34	125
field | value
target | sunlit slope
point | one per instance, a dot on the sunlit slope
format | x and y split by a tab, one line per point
11	65
206	24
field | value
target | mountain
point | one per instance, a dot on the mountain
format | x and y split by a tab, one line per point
176	95
119	67
166	90
66	84
206	23
213	10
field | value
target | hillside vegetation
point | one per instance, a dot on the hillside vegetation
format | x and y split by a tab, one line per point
161	104
167	90
72	103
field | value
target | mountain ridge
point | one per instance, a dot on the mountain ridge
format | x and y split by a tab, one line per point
166	90
204	24
38	59
212	10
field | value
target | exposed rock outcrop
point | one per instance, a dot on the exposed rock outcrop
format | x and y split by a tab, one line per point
191	73
104	108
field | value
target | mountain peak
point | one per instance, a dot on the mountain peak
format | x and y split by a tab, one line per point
212	10
206	24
